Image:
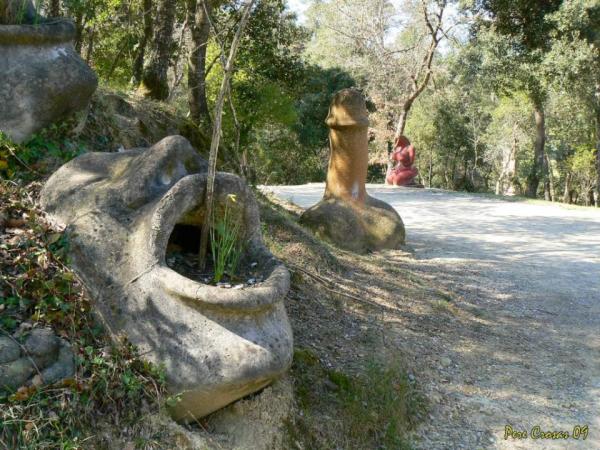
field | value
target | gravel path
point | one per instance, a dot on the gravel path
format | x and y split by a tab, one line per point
531	272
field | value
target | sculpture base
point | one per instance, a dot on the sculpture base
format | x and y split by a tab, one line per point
374	225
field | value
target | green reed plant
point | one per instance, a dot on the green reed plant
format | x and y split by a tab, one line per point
225	244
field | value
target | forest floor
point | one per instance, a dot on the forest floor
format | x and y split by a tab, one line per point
493	305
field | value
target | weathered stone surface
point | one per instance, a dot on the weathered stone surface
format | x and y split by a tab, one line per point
9	350
217	345
41	341
347	215
43	78
64	367
41	351
373	226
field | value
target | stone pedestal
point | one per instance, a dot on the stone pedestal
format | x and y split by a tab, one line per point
347	215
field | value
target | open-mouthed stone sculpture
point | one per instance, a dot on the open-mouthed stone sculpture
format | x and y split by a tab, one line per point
42	78
347	215
121	211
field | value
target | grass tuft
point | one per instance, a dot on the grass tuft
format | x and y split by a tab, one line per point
374	409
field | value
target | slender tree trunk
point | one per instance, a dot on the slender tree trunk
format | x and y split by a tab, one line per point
198	11
216	134
533	180
420	79
154	76
550	179
138	63
430	174
90	45
567	192
598	156
79	24
54	8
402	119
546	170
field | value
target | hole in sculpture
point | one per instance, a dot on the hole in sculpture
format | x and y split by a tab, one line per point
182	257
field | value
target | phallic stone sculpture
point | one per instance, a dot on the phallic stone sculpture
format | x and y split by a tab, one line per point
347	215
121	210
403	173
42	78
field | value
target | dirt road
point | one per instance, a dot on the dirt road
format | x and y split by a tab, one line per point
524	351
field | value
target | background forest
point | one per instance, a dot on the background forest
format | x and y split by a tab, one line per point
497	95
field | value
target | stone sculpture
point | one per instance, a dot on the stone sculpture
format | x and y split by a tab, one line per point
121	209
42	358
403	173
42	78
347	215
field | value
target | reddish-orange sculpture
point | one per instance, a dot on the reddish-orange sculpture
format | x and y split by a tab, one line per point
403	173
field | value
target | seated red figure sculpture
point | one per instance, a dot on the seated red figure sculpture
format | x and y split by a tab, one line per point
402	173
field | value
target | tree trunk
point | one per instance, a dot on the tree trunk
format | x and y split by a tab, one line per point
138	63
567	192
430	174
54	8
598	157
200	29
402	119
154	77
79	31
90	46
216	134
550	178
547	189
533	180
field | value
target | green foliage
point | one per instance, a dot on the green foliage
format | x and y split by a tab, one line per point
523	20
280	102
112	385
375	409
312	106
225	243
42	153
110	36
582	166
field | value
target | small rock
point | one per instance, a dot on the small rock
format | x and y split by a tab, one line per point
64	367
330	385
41	342
24	327
224	285
445	361
251	280
9	350
254	264
16	373
37	381
238	286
